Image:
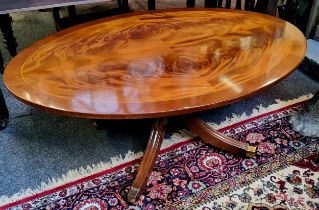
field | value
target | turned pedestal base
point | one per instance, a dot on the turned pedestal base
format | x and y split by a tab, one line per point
197	126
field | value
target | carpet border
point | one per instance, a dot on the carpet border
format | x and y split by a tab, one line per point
131	158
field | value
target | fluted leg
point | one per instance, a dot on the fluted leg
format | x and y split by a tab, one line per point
149	158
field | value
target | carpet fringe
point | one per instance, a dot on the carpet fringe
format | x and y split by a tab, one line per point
258	111
83	172
71	176
175	138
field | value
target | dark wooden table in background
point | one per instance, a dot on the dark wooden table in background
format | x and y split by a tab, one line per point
10	6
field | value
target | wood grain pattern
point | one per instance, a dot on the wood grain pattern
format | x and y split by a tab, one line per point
152	64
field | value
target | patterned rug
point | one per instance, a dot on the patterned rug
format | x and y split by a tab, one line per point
193	175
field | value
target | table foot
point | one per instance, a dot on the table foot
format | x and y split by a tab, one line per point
3	124
149	158
217	139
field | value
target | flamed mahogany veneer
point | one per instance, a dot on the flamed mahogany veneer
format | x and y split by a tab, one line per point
155	65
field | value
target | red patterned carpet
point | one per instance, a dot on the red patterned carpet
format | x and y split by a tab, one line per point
191	175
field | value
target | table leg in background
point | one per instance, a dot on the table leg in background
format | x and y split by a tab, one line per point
125	8
190	3
1	64
59	22
11	45
6	29
4	114
151	4
313	18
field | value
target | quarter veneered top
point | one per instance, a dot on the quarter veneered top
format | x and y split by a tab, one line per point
155	64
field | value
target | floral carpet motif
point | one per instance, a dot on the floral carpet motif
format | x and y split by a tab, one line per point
191	174
296	187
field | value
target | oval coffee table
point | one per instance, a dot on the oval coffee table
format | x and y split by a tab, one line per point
155	65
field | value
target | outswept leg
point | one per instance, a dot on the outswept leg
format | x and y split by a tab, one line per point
149	158
217	139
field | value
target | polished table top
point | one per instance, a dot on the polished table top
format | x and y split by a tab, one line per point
155	64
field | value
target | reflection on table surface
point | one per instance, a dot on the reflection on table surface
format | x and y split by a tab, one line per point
161	62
